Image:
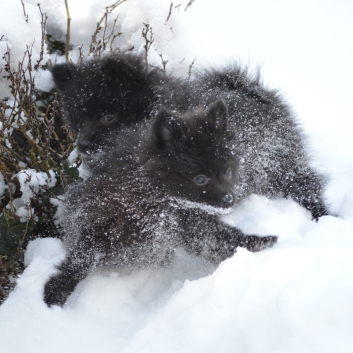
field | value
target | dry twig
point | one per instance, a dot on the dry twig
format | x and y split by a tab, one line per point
147	34
67	44
24	11
43	24
98	46
189	4
164	62
170	12
190	67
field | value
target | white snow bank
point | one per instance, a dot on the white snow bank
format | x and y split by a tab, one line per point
295	297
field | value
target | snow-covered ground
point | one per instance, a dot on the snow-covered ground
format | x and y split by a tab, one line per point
296	297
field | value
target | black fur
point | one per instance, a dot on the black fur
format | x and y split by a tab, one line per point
275	157
101	96
275	154
276	162
139	211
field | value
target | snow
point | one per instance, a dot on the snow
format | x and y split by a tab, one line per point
294	298
25	35
31	183
2	186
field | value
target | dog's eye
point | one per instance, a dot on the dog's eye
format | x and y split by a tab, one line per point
108	119
228	173
201	180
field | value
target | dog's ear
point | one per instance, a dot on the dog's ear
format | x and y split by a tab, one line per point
217	115
63	74
166	128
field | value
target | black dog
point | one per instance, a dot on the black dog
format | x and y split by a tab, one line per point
169	194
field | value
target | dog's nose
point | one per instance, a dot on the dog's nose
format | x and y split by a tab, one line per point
228	200
83	146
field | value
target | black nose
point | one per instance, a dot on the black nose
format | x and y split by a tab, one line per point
228	200
83	146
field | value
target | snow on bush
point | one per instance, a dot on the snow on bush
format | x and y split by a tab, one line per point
169	37
20	32
32	183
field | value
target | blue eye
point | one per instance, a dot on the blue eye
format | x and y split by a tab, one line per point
201	180
228	173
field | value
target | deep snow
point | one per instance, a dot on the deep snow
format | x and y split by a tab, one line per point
296	297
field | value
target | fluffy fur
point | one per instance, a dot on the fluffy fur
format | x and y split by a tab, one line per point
169	194
104	95
275	158
101	96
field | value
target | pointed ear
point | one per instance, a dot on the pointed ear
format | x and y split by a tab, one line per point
166	127
63	75
217	115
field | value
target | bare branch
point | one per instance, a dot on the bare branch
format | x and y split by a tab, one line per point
164	62
80	57
190	67
149	41
189	4
43	27
67	44
170	12
24	11
98	46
